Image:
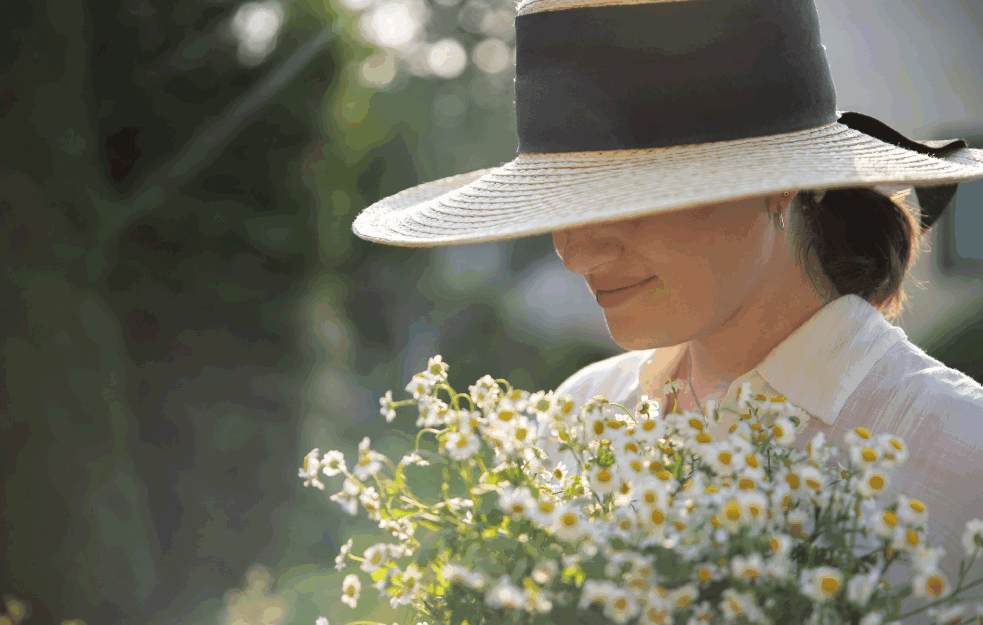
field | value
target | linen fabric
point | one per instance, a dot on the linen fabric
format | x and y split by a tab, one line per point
847	367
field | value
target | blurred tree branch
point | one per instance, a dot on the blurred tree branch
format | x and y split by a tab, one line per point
208	143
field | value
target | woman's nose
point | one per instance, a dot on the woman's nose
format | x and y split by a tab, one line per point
586	248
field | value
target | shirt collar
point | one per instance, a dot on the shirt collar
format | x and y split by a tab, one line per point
817	367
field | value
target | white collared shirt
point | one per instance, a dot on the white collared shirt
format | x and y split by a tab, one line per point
846	367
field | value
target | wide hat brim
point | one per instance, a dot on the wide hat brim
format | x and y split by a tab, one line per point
539	193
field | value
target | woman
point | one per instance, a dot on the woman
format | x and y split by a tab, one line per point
689	160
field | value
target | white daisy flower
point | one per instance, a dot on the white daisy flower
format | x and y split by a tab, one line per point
543	510
461	446
371	501
421	384
821	583
321	621
604	480
751	568
948	614
454	573
485	392
410	586
563	412
369	462
517	502
341	561
812	477
860	587
351	588
540	404
930	584
477	580
414	458
620	606
875	617
866	455
734	604
309	470
333	463
778	566
744	396
347	497
570	524
375	556
912	511
818	450
973	538
594	592
437	369
894	451
387	409
858	436
544	572
683	596
872	482
783	431
504	594
673	385
455	504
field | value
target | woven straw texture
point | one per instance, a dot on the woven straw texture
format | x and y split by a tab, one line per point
539	193
541	6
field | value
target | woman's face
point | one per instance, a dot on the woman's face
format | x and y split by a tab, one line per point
704	266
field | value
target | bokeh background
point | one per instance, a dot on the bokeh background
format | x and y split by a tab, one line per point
186	313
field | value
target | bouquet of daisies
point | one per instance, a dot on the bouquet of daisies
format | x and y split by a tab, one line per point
546	512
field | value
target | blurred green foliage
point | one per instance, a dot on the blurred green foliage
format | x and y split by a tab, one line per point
171	353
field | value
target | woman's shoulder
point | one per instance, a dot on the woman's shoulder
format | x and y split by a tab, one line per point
611	377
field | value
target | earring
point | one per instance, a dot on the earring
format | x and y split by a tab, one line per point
782	218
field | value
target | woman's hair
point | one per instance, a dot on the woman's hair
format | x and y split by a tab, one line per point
864	242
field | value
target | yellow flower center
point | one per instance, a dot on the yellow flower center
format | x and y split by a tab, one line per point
598	427
830	585
863	432
604	476
569	519
917	506
868	454
890	518
876	481
648	426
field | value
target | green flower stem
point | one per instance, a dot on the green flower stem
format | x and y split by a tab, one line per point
452	395
481	463
506	383
628	412
963	574
420	433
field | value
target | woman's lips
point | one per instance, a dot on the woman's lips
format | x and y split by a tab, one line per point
610	299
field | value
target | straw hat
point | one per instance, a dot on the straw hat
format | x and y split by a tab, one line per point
626	108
